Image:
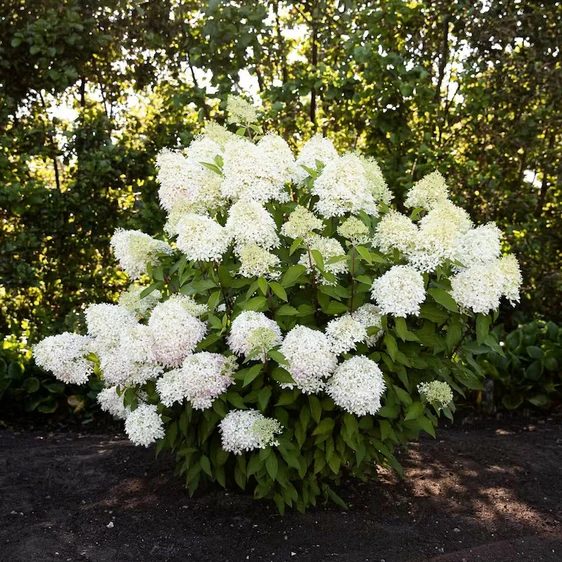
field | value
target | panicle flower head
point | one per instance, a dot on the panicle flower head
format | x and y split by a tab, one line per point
377	183
428	192
437	392
395	231
131	300
343	187
511	278
344	333
310	357
438	236
328	248
111	402
201	238
144	425
106	322
257	172
479	287
219	134
253	331
135	250
400	291
301	224
131	360
357	386
175	331
354	230
246	430
202	378
316	149
369	316
258	262
250	223
186	180
240	112
479	245
64	355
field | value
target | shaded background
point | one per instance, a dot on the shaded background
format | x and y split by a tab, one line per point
90	91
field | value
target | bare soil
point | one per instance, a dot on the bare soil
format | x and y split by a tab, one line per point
488	493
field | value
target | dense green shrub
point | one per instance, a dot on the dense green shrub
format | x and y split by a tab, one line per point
254	350
528	371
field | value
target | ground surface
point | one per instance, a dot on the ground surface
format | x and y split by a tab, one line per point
486	493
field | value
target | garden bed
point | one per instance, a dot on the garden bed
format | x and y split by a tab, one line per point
487	492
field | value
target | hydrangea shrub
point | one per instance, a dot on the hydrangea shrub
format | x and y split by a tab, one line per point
294	328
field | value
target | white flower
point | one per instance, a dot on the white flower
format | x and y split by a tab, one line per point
301	224
257	172
316	149
245	430
479	245
310	358
175	330
344	333
112	403
428	192
400	291
185	180
131	300
369	316
438	236
64	356
135	250
395	231
201	238
357	386
258	262
479	287
377	183
511	278
239	111
436	391
219	134
250	223
131	360
354	230
144	425
343	187
253	331
328	248
202	378
106	322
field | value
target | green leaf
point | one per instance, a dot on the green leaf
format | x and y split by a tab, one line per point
325	427
315	408
318	259
444	299
286	310
414	411
391	346
295	246
277	356
483	322
278	290
206	465
255	303
535	352
252	374
272	465
364	253
262	284
31	385
282	375
292	274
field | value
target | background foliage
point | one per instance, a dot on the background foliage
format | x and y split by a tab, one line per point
90	91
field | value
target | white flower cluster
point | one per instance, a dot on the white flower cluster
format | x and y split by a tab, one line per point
245	430
396	231
354	230
144	425
480	287
176	331
428	192
132	301
135	250
310	357
201	238
240	111
370	316
111	402
65	356
250	223
202	378
437	392
357	386
400	291
301	224
316	150
345	332
258	262
253	332
106	322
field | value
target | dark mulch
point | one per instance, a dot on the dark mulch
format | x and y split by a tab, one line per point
489	492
